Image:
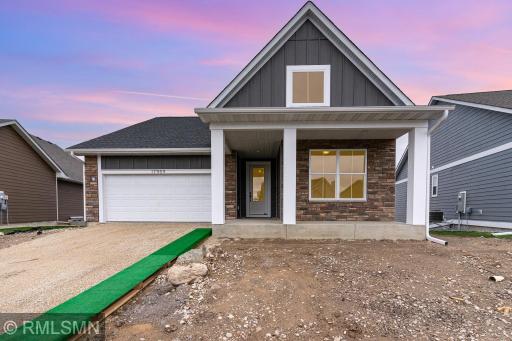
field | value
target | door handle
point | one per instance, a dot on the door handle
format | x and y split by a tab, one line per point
250	196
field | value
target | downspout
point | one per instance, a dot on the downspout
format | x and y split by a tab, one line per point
427	210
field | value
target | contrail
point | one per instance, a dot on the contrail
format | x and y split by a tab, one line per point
161	95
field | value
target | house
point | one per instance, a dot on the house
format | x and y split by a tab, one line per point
471	153
43	182
302	140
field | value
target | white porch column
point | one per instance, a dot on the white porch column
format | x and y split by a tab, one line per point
289	174
217	175
417	170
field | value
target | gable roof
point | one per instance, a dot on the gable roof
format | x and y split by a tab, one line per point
159	133
31	141
71	166
492	100
311	12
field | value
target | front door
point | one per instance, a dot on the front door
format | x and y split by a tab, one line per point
258	189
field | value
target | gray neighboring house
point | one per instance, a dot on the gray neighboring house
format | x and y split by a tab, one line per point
300	144
472	152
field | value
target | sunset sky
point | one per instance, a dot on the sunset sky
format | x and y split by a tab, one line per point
73	70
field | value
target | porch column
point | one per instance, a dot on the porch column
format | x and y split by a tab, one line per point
217	175
417	170
289	174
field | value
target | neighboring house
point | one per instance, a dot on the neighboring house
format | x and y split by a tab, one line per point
43	182
471	152
304	134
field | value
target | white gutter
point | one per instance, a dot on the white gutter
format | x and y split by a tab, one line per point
437	123
427	210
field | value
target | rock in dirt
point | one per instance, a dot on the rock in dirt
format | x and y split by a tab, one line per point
184	274
496	278
191	256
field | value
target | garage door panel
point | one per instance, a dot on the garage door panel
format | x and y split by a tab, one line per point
180	198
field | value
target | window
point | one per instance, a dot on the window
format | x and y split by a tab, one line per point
308	85
337	175
435	185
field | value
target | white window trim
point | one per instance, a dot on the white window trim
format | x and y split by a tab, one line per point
290	69
434	183
337	192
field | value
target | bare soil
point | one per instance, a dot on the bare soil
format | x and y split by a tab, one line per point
9	240
332	290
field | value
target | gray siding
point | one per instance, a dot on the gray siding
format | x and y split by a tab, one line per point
468	131
488	182
156	162
401	202
402	172
308	46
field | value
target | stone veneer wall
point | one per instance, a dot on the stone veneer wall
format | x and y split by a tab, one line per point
91	189
230	186
380	204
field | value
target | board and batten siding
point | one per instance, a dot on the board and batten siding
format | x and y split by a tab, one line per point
488	183
468	131
308	46
27	179
156	162
71	200
401	202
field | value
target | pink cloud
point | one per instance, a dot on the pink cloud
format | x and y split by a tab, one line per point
109	107
225	61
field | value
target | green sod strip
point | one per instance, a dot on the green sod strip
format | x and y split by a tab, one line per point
67	318
468	234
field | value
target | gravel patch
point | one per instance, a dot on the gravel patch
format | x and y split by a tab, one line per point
38	274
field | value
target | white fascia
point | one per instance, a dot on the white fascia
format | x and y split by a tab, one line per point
406	124
140	151
469	104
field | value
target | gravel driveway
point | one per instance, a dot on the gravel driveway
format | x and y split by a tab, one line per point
41	273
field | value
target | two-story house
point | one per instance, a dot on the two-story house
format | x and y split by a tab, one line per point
470	166
302	140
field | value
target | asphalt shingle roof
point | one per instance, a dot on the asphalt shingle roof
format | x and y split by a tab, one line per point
159	132
502	98
69	164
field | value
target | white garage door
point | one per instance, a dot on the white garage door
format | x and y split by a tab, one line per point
176	197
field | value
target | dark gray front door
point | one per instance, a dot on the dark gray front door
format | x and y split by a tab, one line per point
258	189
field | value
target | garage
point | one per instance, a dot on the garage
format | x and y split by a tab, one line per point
161	197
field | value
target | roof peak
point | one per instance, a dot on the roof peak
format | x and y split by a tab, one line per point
325	25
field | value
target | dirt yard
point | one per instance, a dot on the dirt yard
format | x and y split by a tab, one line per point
39	273
326	290
9	240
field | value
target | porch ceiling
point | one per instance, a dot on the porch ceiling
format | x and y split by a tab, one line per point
254	143
321	114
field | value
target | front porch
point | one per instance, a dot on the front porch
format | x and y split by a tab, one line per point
348	230
286	141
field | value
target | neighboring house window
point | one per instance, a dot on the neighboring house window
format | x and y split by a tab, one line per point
435	185
338	174
308	85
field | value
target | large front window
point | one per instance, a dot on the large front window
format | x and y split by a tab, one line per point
337	174
308	85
